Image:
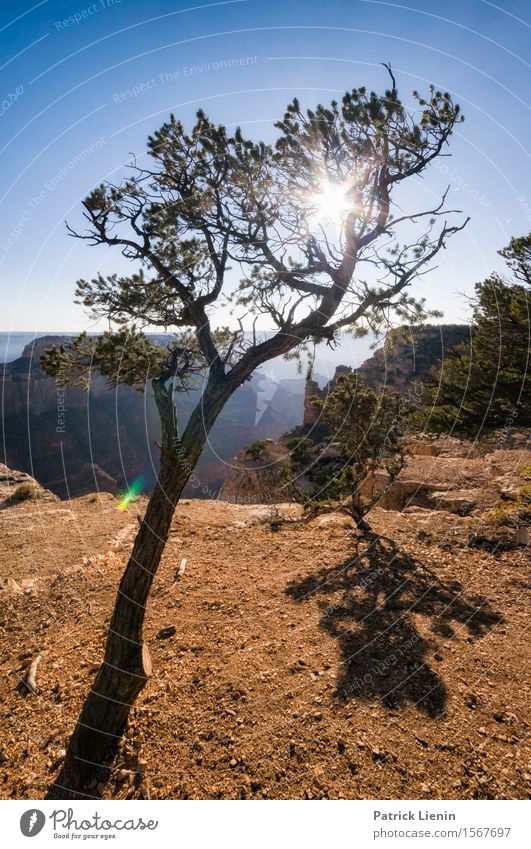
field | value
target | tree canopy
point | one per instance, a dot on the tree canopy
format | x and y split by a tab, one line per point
487	384
218	220
359	433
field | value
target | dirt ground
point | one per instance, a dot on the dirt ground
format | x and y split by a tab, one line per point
307	662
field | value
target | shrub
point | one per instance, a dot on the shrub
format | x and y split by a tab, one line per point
513	511
26	492
255	450
365	430
300	449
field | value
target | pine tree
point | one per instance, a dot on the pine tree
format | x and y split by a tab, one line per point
487	384
310	228
360	433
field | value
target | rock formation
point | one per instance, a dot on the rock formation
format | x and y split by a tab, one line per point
258	475
401	364
18	486
408	356
441	473
76	442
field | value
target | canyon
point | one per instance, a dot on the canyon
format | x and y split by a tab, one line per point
75	442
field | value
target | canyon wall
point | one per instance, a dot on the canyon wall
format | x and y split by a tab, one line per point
402	363
74	442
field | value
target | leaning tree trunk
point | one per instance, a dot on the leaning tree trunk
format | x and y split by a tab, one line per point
126	666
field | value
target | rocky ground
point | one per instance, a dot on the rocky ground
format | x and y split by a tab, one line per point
304	660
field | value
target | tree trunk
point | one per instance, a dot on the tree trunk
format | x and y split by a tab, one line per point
126	666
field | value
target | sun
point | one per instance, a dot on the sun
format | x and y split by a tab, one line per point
331	202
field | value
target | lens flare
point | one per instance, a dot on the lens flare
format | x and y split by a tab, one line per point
331	202
132	492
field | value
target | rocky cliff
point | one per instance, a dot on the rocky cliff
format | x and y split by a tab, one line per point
401	364
74	442
442	473
70	440
407	356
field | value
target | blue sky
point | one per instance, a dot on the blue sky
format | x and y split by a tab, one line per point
84	83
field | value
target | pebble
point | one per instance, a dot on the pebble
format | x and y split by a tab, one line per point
141	765
164	633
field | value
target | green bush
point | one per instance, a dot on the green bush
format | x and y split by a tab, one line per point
486	384
513	511
365	429
300	449
255	450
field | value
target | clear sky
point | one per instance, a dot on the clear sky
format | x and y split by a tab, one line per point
84	83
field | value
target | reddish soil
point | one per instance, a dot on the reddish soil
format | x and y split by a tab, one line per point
308	661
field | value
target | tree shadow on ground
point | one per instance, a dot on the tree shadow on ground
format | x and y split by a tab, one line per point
372	604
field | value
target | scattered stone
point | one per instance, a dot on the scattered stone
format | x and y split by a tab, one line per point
457	501
180	570
522	536
164	633
141	765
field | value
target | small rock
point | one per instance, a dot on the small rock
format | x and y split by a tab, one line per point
164	633
522	536
141	765
181	569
